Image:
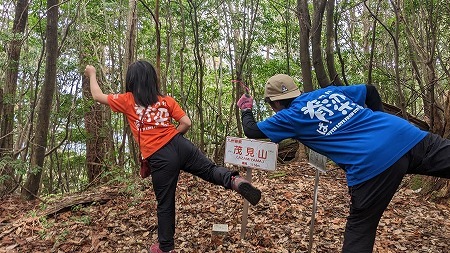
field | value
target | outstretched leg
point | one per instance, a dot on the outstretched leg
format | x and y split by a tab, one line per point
195	162
431	157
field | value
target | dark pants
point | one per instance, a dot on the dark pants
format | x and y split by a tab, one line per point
166	163
431	157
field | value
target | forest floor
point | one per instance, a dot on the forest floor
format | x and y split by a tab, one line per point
279	223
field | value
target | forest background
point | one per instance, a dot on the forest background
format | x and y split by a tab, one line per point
54	139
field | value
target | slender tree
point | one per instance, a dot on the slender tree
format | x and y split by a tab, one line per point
199	70
316	43
304	21
329	49
8	94
31	187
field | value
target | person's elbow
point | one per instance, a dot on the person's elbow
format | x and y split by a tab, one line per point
184	124
187	122
247	133
100	97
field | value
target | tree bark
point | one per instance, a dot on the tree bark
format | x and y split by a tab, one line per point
96	144
305	57
32	184
8	94
183	47
316	38
401	97
330	44
168	46
158	45
199	72
372	47
130	57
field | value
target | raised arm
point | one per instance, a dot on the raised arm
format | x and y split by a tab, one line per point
251	129
96	92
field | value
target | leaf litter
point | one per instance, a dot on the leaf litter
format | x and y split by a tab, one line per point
126	221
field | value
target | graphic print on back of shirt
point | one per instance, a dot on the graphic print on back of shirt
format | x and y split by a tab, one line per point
153	116
326	106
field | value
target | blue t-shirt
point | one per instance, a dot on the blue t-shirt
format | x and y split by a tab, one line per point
334	122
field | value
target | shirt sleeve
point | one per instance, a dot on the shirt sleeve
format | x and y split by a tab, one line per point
251	129
364	95
357	93
176	112
278	127
373	99
119	102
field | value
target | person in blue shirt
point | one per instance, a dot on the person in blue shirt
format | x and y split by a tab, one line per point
347	124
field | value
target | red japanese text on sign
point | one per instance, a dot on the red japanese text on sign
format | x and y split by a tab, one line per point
251	153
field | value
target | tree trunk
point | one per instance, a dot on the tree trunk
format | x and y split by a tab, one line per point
183	47
242	43
130	42
158	45
199	73
96	144
287	37
31	187
372	47
401	97
305	27
8	94
423	59
316	44
129	58
168	46
330	44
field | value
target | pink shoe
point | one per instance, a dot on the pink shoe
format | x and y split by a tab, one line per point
155	249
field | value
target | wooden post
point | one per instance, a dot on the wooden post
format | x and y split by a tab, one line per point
319	162
248	176
313	215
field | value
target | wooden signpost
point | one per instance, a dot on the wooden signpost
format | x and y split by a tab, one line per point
263	155
319	162
250	154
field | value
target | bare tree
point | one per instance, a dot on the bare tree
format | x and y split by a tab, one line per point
199	70
96	137
240	36
31	187
155	16
372	46
330	38
9	91
130	56
316	44
304	20
395	38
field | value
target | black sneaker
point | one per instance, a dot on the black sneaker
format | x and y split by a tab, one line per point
247	190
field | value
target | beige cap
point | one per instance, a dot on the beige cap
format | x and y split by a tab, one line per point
280	87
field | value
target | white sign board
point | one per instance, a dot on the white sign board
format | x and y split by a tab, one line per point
251	153
317	160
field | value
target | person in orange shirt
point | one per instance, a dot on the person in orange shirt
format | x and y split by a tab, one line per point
149	114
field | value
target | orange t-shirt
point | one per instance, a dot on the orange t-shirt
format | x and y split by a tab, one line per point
157	118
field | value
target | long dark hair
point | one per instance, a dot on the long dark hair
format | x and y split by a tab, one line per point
143	82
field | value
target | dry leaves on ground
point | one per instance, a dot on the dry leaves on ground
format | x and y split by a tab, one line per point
279	223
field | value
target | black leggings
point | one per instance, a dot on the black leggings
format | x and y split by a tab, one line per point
431	157
166	163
